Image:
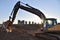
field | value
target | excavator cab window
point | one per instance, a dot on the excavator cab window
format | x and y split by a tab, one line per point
50	22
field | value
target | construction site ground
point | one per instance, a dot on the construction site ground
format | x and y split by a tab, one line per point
21	34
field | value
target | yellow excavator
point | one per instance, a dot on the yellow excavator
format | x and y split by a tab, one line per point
48	25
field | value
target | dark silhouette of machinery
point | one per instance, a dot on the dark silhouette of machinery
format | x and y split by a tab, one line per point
47	22
27	8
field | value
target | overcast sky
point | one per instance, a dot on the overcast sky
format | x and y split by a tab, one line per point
50	8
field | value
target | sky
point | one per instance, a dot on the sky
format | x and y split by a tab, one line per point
50	8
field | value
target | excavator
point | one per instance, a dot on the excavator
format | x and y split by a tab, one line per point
47	24
8	24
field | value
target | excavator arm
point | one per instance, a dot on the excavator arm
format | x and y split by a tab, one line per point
26	8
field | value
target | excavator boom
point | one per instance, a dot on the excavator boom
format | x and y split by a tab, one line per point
27	8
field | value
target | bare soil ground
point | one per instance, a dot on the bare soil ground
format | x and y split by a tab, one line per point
21	34
17	35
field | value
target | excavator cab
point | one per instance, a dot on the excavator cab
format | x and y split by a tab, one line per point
50	22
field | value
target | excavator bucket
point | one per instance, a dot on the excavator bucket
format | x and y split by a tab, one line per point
7	26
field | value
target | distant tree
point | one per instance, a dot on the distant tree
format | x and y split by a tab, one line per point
29	22
32	22
19	21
